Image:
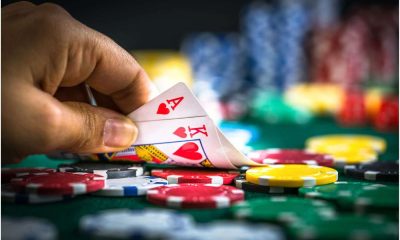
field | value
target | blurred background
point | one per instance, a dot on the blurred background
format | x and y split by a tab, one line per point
277	62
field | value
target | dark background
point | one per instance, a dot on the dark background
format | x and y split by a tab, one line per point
162	24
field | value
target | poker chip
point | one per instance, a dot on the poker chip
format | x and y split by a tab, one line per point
194	195
11	196
373	198
240	182
134	224
8	173
195	176
378	171
340	142
107	170
283	209
64	183
352	156
333	191
291	175
345	226
133	186
290	156
243	169
27	228
360	196
231	230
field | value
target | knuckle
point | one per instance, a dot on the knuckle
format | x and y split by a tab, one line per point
53	19
51	8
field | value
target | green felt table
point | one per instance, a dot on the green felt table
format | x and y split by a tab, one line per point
65	215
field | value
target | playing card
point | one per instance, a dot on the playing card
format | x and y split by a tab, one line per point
175	129
184	129
176	102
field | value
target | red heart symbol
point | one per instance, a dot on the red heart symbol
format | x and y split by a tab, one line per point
189	150
162	109
180	132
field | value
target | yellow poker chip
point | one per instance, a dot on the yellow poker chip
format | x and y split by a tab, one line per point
344	142
350	156
291	175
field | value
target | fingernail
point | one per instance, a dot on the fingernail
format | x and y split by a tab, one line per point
119	133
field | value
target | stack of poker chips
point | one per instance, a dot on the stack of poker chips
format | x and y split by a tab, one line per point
274	36
218	72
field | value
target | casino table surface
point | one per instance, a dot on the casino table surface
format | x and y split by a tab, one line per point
65	215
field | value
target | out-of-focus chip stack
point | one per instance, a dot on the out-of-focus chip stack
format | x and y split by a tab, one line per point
164	67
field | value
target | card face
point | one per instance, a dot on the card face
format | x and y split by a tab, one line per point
185	129
176	102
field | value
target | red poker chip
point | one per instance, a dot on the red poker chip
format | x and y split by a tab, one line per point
62	183
195	176
195	195
290	156
9	173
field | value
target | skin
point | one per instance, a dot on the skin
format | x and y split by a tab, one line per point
47	56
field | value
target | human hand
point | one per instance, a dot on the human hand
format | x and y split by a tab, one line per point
47	56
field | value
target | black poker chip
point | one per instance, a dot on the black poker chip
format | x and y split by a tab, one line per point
107	170
242	183
243	169
377	171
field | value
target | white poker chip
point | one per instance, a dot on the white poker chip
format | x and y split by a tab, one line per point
133	186
229	230
27	228
135	224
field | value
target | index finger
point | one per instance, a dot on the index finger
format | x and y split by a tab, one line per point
108	69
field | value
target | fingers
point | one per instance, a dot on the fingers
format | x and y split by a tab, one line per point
108	69
94	129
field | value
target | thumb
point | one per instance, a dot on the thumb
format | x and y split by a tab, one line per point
95	129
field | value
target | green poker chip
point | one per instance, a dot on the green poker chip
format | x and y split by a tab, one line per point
361	196
373	198
345	226
333	191
283	209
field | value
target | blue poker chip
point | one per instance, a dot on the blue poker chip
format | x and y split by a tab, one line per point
234	130
135	224
131	186
27	228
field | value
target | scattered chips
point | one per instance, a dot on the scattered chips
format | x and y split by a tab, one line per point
133	186
345	227
195	176
107	170
378	171
283	209
59	183
342	142
27	228
292	175
194	195
8	173
138	224
240	182
290	156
